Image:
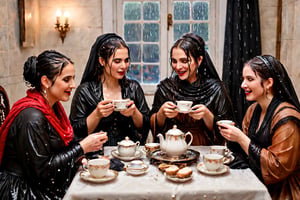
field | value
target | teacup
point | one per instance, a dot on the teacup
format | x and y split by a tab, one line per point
213	162
225	121
136	165
219	149
98	167
150	147
120	105
184	106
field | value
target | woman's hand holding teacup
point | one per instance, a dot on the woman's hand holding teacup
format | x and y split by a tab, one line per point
104	108
93	142
131	109
168	109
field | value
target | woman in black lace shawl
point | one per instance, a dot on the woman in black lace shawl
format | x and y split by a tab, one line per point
194	79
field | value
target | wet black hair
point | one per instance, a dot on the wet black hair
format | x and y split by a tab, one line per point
49	63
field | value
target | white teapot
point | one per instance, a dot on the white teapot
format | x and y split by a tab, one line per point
127	148
174	144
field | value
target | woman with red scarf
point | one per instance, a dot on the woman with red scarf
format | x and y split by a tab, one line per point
37	157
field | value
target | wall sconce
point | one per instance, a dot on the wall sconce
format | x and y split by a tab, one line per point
62	28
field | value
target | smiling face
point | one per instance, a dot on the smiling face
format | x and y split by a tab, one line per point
185	67
117	65
63	85
253	85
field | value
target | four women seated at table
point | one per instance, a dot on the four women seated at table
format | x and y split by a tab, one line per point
37	133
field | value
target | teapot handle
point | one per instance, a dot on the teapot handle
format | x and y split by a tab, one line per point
191	140
137	144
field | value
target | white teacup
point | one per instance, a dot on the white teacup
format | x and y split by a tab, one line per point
150	147
213	162
98	167
120	105
184	106
225	121
219	149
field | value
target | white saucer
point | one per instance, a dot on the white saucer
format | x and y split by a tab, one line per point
111	174
228	160
137	172
178	180
119	109
116	154
201	167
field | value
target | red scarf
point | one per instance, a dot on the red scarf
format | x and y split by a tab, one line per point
34	99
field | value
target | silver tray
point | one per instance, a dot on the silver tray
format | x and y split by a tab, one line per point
189	157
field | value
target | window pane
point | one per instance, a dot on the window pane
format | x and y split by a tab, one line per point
132	32
134	72
151	53
202	30
135	52
151	11
132	10
181	10
151	32
151	74
200	10
180	29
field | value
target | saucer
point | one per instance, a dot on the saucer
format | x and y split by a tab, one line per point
111	174
178	180
116	154
201	167
228	160
136	171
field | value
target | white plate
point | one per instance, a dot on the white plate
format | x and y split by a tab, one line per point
116	154
201	167
136	172
111	174
178	180
228	160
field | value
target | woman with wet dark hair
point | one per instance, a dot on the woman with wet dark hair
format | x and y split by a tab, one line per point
37	158
194	79
103	81
270	135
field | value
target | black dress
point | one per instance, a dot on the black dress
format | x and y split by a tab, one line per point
117	126
36	164
207	91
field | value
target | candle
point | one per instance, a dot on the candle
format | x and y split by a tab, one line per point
66	15
58	15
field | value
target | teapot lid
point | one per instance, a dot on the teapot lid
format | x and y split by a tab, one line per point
174	131
126	142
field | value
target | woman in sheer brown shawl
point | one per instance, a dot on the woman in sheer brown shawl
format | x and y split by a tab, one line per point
270	135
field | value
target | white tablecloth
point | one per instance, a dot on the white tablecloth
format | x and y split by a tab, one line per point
237	184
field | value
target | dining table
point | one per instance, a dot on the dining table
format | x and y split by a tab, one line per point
153	184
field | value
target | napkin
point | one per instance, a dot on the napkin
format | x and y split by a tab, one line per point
116	164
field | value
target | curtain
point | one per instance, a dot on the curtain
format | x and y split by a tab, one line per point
242	42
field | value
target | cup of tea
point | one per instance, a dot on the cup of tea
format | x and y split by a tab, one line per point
120	104
226	121
219	149
150	147
213	161
98	167
184	106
